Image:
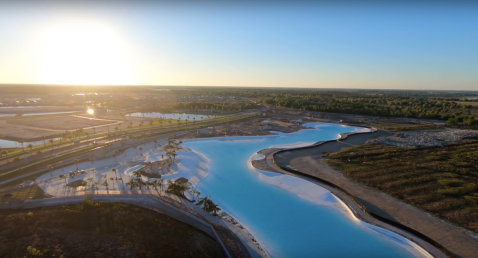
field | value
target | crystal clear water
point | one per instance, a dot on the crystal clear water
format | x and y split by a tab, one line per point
183	116
284	222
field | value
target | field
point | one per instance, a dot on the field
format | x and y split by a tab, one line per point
35	127
395	127
442	181
60	122
100	230
471	103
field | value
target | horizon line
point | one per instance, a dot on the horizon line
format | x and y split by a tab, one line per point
221	86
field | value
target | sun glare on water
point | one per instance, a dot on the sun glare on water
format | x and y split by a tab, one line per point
83	52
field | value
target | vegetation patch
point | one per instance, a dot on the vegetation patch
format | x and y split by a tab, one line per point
76	183
100	230
442	181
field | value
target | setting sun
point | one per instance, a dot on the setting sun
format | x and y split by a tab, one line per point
83	52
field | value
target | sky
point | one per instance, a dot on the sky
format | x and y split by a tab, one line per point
320	44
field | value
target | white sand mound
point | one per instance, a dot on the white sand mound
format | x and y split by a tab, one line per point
189	164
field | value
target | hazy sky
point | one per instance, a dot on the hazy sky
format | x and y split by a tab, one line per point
406	44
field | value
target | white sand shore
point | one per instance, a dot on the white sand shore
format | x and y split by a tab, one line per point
189	164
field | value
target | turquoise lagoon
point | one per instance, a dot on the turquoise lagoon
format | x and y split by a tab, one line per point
277	209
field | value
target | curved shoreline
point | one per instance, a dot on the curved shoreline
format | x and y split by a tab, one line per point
357	208
414	246
350	201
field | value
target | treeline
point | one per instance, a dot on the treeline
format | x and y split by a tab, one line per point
214	105
392	103
380	105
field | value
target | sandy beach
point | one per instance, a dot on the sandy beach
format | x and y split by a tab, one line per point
189	164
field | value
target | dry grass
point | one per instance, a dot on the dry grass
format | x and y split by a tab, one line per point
443	181
100	230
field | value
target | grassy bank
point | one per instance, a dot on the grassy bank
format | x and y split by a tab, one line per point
442	181
100	230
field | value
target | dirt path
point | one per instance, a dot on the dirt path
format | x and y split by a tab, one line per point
308	161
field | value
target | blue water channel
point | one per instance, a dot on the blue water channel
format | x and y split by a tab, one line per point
286	224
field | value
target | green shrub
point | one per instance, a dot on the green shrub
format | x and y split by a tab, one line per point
473	198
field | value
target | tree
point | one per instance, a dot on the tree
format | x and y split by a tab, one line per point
171	154
176	188
63	177
76	162
161	180
141	150
30	147
451	121
195	193
209	205
137	173
105	183
5	153
21	141
469	121
51	142
115	170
